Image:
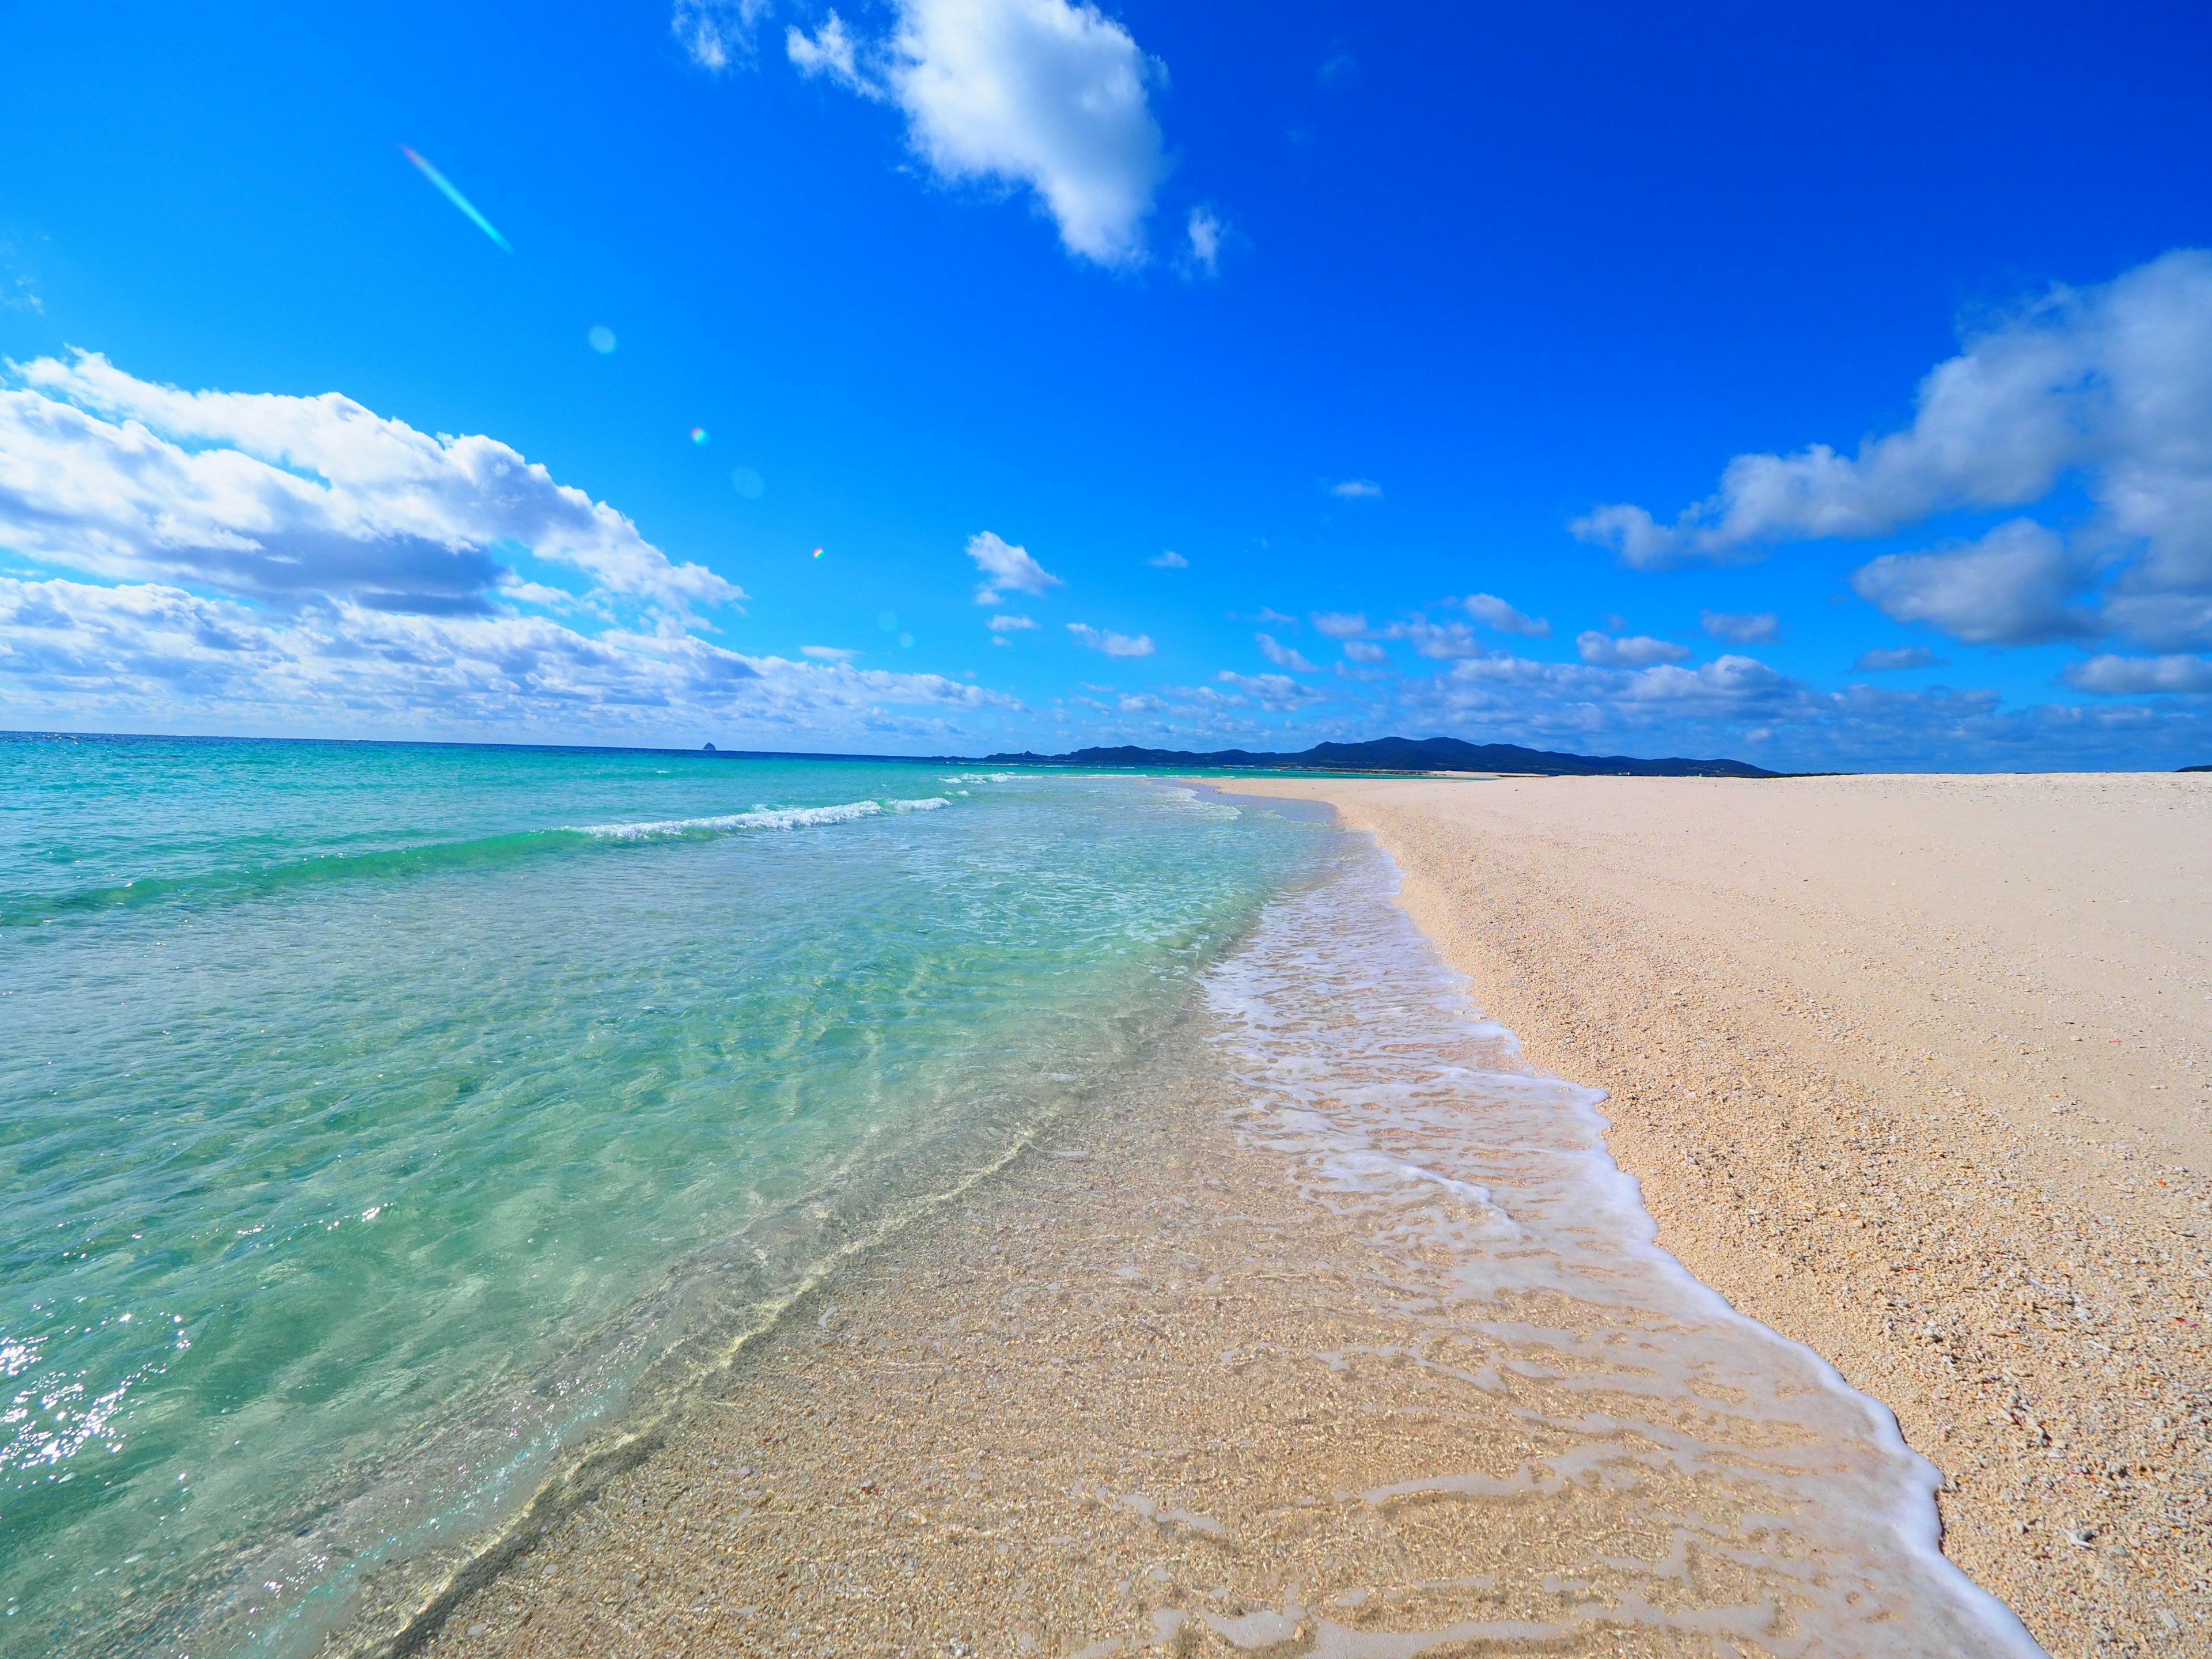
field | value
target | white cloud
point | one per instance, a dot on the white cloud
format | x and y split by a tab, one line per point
1494	612
1170	560
276	562
1883	660
2107	390
830	51
2017	585
1638	651
1365	651
1204	232
1007	624
717	33
1338	624
1005	565
1439	639
1740	628
1284	656
1357	490
1113	644
2121	676
153	652
1277	692
292	500
1041	93
828	653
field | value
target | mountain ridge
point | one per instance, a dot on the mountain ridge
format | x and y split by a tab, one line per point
1402	754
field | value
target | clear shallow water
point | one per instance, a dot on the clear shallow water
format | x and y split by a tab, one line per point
375	1121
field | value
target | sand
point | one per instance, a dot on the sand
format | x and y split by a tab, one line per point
1079	1412
1918	1071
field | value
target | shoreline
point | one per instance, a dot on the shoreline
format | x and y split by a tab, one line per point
1829	1022
1162	1383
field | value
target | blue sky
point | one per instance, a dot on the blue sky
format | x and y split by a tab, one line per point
1472	363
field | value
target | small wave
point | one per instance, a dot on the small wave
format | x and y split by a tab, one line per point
760	817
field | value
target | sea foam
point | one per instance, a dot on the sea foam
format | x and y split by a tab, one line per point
1526	1272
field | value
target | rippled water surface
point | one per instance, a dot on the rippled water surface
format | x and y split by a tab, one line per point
375	1121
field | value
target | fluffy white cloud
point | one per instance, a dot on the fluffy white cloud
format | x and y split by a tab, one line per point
1040	93
828	653
1204	232
2107	389
1278	693
717	33
153	652
293	499
2017	585
1338	625
1004	566
1170	560
2120	676
1284	656
1113	644
1357	490
1638	651
1006	622
1882	660
830	50
1751	628
1494	613
1438	640
276	562
1365	651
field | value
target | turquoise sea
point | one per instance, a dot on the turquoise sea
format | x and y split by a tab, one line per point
377	1122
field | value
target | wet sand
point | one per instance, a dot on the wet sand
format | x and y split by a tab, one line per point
1193	1376
1916	1070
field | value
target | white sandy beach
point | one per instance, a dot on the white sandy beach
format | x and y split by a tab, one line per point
1918	1070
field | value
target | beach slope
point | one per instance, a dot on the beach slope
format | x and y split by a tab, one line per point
1915	1070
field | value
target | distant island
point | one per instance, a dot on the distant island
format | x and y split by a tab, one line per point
1402	754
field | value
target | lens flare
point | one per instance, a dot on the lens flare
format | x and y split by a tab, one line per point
699	435
747	484
602	339
817	553
456	197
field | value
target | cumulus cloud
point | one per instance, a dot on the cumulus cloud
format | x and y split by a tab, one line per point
2109	676
2017	585
1284	656
152	651
830	51
290	562
1278	693
1439	639
1338	624
1638	651
1004	566
1204	232
1365	651
1005	623
1740	628
1170	560
293	500
1113	644
1494	613
1357	490
1883	660
2105	389
1038	93
716	35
